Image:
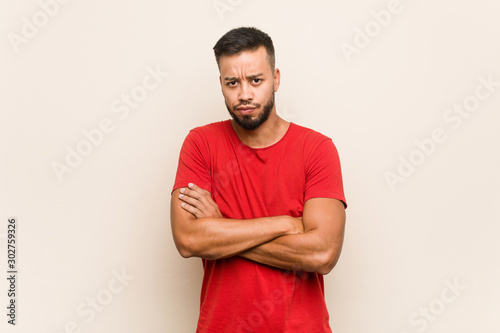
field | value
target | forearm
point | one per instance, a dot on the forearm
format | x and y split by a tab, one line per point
217	238
200	230
310	243
301	252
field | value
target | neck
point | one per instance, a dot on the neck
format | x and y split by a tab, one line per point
267	134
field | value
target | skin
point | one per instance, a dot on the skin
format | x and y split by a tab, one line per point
248	77
311	243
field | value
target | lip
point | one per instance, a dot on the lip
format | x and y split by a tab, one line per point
245	110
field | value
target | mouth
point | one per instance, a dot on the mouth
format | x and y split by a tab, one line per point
245	111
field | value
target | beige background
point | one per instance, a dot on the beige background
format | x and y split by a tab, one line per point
404	244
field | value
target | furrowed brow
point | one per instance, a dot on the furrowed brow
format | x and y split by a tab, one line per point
249	77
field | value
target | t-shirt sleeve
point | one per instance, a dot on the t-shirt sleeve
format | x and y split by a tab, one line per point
194	163
323	173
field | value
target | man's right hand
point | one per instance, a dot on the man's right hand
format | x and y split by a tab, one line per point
218	237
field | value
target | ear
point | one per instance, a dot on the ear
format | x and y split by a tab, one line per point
277	79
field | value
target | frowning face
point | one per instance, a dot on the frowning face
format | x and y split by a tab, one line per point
248	85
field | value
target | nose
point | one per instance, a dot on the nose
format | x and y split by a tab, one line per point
245	93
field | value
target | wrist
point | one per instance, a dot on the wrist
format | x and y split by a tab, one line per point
294	226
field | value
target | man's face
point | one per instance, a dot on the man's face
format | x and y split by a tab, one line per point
248	85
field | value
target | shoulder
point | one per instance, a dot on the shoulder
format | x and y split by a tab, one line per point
206	139
315	146
308	136
210	130
217	126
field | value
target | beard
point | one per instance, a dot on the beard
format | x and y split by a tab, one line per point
246	121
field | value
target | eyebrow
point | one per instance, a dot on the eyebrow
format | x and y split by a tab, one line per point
249	77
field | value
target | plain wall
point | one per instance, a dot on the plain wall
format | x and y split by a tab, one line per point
400	86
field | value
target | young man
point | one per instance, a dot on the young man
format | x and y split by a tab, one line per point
261	201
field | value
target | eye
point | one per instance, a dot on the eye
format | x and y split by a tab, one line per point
232	83
256	81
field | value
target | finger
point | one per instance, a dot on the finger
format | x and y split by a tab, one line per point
199	190
197	193
191	209
194	186
192	201
211	201
207	200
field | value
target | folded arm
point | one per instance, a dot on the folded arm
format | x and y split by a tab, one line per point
317	249
200	230
312	243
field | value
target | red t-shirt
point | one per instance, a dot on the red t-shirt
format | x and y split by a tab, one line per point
239	295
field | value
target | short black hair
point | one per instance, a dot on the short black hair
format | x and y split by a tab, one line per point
244	39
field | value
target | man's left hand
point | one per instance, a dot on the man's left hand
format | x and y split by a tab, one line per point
199	202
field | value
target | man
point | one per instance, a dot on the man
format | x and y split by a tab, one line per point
261	201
